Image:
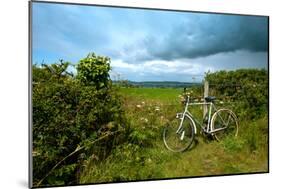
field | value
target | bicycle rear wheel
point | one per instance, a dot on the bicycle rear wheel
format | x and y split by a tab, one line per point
178	142
224	124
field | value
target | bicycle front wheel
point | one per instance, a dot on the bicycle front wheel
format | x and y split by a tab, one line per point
181	141
224	124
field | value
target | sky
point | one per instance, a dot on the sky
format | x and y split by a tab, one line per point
149	45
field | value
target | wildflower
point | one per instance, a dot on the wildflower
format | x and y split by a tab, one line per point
138	106
144	119
157	108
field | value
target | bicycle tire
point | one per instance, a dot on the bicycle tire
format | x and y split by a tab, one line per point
224	118
181	141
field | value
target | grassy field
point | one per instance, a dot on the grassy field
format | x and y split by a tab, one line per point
157	95
145	157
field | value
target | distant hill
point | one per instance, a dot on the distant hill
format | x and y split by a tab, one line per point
159	84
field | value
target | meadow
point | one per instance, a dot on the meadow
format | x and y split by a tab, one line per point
145	157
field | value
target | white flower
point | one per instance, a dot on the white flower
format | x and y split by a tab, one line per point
144	119
138	106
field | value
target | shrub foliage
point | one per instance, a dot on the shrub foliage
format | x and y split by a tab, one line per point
247	87
70	112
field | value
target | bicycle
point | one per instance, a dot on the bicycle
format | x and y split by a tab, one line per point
178	136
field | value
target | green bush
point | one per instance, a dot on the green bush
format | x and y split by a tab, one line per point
248	88
94	70
71	112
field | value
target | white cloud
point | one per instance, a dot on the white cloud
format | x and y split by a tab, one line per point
157	69
187	69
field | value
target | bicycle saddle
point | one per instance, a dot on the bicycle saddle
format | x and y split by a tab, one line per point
210	98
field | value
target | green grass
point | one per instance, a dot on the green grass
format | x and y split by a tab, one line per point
145	157
163	95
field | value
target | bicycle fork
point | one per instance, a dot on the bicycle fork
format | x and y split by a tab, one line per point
181	117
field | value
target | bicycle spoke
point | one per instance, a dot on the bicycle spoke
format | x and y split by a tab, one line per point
221	118
224	124
180	141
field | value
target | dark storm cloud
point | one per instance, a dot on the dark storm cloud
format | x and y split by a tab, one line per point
206	35
150	45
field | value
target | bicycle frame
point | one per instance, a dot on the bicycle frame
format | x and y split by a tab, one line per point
214	120
206	129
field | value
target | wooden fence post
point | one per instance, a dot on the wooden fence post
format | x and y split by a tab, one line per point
206	93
